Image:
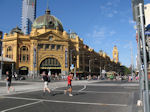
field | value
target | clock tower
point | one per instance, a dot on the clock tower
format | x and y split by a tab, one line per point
115	54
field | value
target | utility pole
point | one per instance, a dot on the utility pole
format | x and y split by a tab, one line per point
146	92
131	60
89	68
138	16
1	33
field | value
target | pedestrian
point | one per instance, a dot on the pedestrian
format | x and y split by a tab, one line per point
8	82
46	79
70	77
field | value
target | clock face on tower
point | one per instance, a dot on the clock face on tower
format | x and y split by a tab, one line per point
50	38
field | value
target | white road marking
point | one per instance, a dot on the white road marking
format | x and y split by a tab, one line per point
69	102
116	85
95	92
82	88
21	106
20	92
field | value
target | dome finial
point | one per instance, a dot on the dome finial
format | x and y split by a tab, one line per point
47	10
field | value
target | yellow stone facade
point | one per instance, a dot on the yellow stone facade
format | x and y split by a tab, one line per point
49	47
115	54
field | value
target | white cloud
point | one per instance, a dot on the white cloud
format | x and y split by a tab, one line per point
108	9
112	33
110	15
131	22
115	12
98	33
109	3
101	32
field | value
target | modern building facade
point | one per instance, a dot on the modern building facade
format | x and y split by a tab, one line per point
147	14
28	15
49	47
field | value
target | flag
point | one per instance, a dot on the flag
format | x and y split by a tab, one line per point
32	4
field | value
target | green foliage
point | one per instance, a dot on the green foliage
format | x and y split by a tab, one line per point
126	70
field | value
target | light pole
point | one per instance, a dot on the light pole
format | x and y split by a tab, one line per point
138	17
1	72
12	69
100	69
1	33
71	62
89	68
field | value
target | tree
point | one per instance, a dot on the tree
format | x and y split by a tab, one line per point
125	70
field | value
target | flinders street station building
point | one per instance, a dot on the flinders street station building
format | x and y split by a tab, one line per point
50	48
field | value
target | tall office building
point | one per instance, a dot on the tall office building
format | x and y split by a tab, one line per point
147	14
28	15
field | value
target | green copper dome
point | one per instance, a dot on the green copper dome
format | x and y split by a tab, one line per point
49	21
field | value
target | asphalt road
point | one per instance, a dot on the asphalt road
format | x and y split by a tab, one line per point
90	98
3	84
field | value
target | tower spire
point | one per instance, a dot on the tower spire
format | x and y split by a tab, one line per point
47	10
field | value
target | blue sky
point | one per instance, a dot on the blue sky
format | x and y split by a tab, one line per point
100	23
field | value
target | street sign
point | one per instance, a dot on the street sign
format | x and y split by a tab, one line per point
103	71
135	3
72	67
147	32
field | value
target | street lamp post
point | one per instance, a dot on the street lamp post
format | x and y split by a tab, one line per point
89	68
12	69
138	17
71	61
1	72
1	33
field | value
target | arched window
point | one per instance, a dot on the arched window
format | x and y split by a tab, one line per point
9	52
50	62
24	54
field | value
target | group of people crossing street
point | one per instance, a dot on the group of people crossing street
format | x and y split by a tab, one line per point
46	79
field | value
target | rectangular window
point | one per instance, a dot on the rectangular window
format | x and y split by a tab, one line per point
52	46
47	46
58	47
40	46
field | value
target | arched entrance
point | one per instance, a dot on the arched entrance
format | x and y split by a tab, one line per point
50	65
23	70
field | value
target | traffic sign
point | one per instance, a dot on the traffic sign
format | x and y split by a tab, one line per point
147	32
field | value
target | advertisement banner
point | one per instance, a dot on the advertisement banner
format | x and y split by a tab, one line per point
66	57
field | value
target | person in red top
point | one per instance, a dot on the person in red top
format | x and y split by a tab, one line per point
70	77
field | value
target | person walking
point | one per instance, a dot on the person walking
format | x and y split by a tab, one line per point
69	78
46	79
8	82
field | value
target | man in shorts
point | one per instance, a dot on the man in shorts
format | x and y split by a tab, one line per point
8	81
70	77
45	79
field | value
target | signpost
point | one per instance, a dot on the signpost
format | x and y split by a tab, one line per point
1	72
138	17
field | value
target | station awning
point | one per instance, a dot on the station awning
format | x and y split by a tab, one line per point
5	59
